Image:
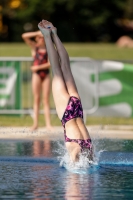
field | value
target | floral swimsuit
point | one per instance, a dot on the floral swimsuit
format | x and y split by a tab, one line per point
39	59
73	110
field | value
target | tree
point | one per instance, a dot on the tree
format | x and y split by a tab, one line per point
76	20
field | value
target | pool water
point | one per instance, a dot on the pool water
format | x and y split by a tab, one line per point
31	170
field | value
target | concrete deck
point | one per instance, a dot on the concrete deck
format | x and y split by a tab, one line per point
110	131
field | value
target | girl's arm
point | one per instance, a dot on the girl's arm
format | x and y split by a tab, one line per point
27	37
39	67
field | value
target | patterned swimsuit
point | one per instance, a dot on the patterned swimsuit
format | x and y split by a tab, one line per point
41	58
73	110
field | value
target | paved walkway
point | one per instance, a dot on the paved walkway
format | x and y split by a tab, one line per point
110	131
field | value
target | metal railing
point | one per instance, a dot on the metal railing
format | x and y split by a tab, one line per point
24	82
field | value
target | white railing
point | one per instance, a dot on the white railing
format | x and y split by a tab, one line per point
21	88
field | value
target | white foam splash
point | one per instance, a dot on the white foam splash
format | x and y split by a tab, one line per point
83	163
65	160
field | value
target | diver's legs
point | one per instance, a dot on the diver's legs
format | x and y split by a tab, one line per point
60	93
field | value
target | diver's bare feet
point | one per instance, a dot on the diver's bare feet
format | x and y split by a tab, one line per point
45	31
44	26
47	24
50	26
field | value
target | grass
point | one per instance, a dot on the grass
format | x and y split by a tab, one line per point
26	121
100	51
93	50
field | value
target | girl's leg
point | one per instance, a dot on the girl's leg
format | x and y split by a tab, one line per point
60	93
65	65
46	95
36	89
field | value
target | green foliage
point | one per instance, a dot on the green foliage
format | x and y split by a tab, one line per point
86	20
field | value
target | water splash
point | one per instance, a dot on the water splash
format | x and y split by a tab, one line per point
83	163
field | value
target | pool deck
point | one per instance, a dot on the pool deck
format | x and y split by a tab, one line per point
97	131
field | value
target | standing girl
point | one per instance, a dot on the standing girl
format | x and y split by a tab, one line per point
40	75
